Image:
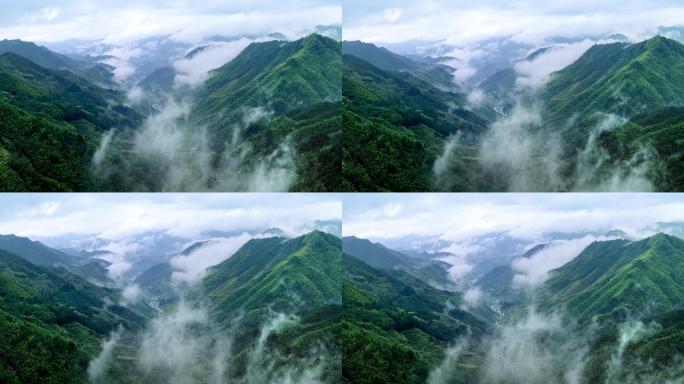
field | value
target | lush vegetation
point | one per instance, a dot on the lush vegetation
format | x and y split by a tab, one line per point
51	125
396	327
395	126
52	322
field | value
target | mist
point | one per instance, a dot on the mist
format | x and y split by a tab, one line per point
520	155
180	154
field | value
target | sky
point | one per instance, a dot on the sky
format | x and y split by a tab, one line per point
118	216
120	22
461	22
461	216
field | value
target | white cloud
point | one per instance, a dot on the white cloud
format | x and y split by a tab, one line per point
460	217
192	267
471	297
535	269
131	294
118	217
189	21
535	73
461	23
195	70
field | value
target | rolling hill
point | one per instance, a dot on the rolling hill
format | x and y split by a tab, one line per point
658	133
435	74
295	276
430	271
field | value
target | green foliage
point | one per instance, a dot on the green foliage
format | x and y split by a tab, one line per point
314	132
394	127
269	273
619	78
50	124
395	326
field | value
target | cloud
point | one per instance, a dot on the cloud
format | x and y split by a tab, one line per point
457	218
184	20
535	73
119	217
472	297
192	267
534	270
131	294
195	70
97	367
460	23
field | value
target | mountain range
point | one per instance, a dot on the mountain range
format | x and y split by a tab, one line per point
69	128
349	309
406	132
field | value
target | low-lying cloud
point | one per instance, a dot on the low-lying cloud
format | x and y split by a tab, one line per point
534	270
194	70
191	267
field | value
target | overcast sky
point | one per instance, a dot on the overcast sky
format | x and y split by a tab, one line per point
186	20
116	216
461	22
461	216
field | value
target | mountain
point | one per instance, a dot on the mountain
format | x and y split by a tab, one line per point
314	132
96	272
274	96
395	126
430	271
625	79
499	280
435	74
502	83
618	279
53	121
93	71
40	55
396	327
52	322
36	252
375	254
288	276
278	76
270	272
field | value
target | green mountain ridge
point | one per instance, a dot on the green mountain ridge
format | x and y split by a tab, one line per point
619	78
620	278
36	252
271	272
437	75
278	76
